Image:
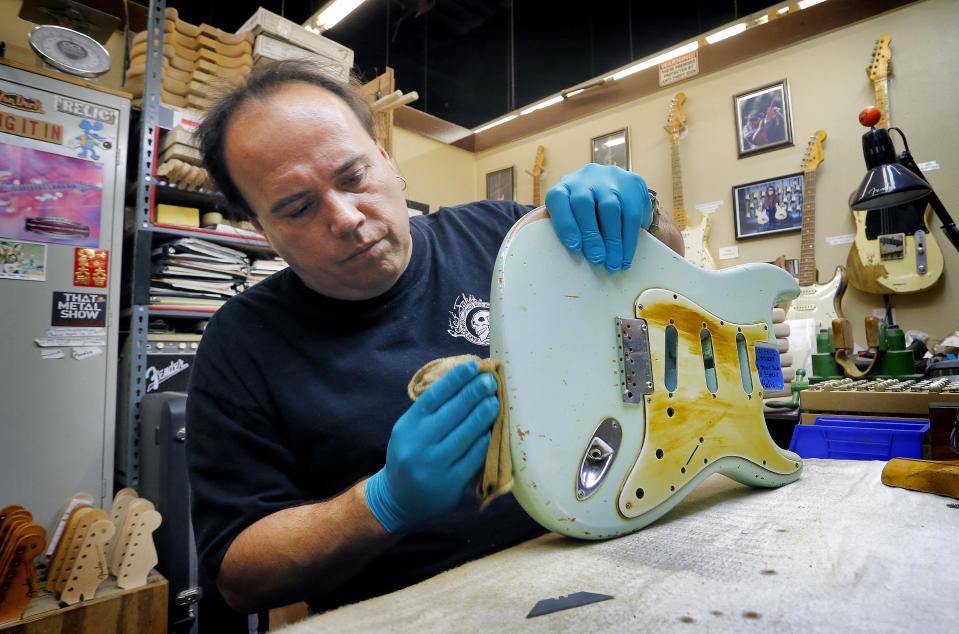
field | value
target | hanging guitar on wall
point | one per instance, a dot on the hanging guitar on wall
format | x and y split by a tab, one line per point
537	175
695	238
894	252
822	302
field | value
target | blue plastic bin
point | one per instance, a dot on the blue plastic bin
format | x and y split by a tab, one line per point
859	438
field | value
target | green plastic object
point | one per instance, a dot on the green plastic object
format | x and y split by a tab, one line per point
824	366
798	385
895	361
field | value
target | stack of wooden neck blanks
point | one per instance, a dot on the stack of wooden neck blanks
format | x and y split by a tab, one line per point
199	62
180	163
91	544
21	540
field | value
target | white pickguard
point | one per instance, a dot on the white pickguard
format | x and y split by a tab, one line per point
553	329
822	302
696	241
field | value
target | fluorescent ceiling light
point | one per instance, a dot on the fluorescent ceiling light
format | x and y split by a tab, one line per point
333	12
573	93
615	142
495	123
805	4
655	61
783	10
543	104
718	36
763	19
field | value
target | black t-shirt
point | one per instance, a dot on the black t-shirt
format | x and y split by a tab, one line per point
293	397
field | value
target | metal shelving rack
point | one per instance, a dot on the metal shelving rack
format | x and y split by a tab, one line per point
154	117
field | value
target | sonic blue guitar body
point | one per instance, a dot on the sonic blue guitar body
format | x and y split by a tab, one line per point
626	391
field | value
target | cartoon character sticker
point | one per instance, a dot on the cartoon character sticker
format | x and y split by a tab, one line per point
88	141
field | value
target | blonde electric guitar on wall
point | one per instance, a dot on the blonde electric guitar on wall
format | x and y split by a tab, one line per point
894	252
537	175
695	238
822	302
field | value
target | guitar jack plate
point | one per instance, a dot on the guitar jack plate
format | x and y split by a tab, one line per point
598	457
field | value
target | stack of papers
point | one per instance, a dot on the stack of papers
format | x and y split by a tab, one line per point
262	268
190	272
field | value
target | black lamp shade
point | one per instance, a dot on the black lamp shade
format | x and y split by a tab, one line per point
888	185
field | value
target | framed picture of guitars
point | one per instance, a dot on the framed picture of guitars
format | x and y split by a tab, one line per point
763	119
774	205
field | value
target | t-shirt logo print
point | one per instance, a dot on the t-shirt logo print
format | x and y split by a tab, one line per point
470	319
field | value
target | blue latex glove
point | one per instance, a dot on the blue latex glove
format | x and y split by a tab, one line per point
599	210
434	450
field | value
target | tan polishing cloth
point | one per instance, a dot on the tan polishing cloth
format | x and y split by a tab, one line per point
496	478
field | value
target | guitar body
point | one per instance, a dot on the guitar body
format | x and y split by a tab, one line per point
594	458
762	216
822	302
886	258
781	211
696	241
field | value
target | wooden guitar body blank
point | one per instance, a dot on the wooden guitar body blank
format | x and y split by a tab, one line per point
626	391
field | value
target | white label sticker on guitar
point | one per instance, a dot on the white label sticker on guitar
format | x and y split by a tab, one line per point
767	364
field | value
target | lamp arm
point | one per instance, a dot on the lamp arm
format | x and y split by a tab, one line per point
948	224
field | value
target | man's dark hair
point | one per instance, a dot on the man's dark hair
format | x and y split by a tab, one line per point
262	82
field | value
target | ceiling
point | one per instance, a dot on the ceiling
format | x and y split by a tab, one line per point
459	56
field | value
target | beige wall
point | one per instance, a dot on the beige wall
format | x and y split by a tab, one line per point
438	174
828	87
14	32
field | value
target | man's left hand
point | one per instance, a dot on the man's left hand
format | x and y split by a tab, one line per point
599	210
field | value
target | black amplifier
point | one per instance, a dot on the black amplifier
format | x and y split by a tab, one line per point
169	361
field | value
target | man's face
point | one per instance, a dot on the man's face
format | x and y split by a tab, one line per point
323	191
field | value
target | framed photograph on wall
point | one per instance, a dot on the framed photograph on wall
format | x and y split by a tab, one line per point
611	149
768	206
499	184
763	119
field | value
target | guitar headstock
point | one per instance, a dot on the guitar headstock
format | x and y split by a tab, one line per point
540	161
813	156
676	119
879	67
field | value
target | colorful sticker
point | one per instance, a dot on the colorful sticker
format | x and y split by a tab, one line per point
31	128
91	267
13	100
49	197
769	368
88	141
79	309
23	260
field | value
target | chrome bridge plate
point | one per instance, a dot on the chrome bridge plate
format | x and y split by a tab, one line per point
635	368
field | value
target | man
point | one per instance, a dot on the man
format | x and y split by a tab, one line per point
313	478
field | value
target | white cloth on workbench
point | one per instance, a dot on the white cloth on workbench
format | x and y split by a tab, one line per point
835	551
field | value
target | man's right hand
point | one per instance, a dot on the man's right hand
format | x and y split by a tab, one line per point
434	450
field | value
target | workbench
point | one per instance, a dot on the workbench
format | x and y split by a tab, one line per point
834	552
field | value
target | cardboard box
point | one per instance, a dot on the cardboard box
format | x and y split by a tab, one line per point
271	49
263	21
178	216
